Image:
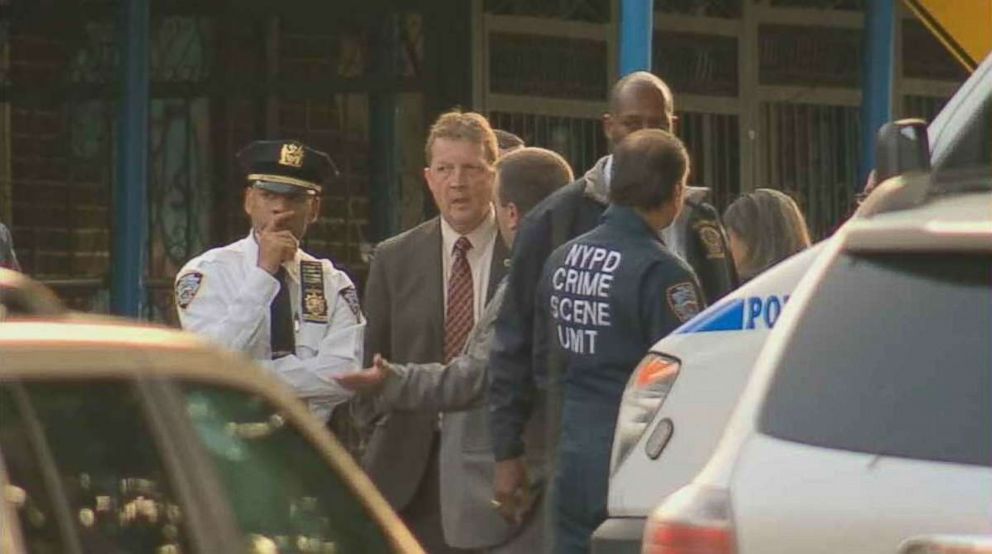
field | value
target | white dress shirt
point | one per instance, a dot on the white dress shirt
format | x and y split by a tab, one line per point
480	257
608	171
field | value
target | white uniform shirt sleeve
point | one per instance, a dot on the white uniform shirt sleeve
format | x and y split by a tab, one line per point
225	309
324	351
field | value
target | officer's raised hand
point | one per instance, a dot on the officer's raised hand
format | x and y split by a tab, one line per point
276	244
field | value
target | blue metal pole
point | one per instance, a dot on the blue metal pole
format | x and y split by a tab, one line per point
636	28
877	74
130	227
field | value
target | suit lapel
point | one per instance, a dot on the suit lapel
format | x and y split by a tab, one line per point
433	300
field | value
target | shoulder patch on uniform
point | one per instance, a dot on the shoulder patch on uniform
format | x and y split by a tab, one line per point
683	301
186	288
350	296
712	241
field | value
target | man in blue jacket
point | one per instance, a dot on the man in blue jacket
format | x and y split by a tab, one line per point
604	298
638	101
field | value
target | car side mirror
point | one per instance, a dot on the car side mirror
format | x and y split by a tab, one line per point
901	147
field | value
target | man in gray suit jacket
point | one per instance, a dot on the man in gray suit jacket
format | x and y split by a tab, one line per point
458	388
426	289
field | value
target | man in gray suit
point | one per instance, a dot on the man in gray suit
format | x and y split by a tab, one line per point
523	178
426	289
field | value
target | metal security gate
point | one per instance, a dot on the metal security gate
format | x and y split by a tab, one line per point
787	73
222	74
579	140
713	140
811	153
767	91
543	70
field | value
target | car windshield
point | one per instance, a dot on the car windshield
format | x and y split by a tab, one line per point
893	357
970	147
284	494
85	470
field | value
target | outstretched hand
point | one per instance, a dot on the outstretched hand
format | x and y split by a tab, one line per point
367	380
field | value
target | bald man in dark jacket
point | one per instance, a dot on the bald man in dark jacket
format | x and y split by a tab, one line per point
639	100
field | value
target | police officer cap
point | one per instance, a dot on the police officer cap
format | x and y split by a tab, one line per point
286	166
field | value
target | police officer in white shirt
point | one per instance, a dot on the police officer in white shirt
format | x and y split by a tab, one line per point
296	315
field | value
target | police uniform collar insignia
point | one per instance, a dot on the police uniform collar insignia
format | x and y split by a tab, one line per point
291	155
313	303
186	288
683	301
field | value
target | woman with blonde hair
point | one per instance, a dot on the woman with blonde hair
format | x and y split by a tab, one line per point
765	227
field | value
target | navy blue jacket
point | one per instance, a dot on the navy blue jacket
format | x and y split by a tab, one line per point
564	214
606	297
518	346
697	236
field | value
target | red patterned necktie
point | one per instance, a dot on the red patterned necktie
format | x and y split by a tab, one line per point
460	317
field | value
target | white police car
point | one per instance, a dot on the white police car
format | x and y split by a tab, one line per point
867	418
866	421
679	400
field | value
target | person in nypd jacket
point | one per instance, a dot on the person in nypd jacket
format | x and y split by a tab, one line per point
603	299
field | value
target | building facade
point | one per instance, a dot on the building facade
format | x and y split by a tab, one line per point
768	95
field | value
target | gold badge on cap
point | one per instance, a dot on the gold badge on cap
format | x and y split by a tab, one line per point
291	155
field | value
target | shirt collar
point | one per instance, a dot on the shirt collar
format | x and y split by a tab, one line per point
480	237
627	219
608	171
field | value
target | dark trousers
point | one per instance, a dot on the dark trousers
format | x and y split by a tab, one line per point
423	514
583	471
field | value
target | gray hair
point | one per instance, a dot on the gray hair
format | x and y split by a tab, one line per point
770	226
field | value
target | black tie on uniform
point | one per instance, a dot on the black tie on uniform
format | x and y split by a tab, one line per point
281	320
